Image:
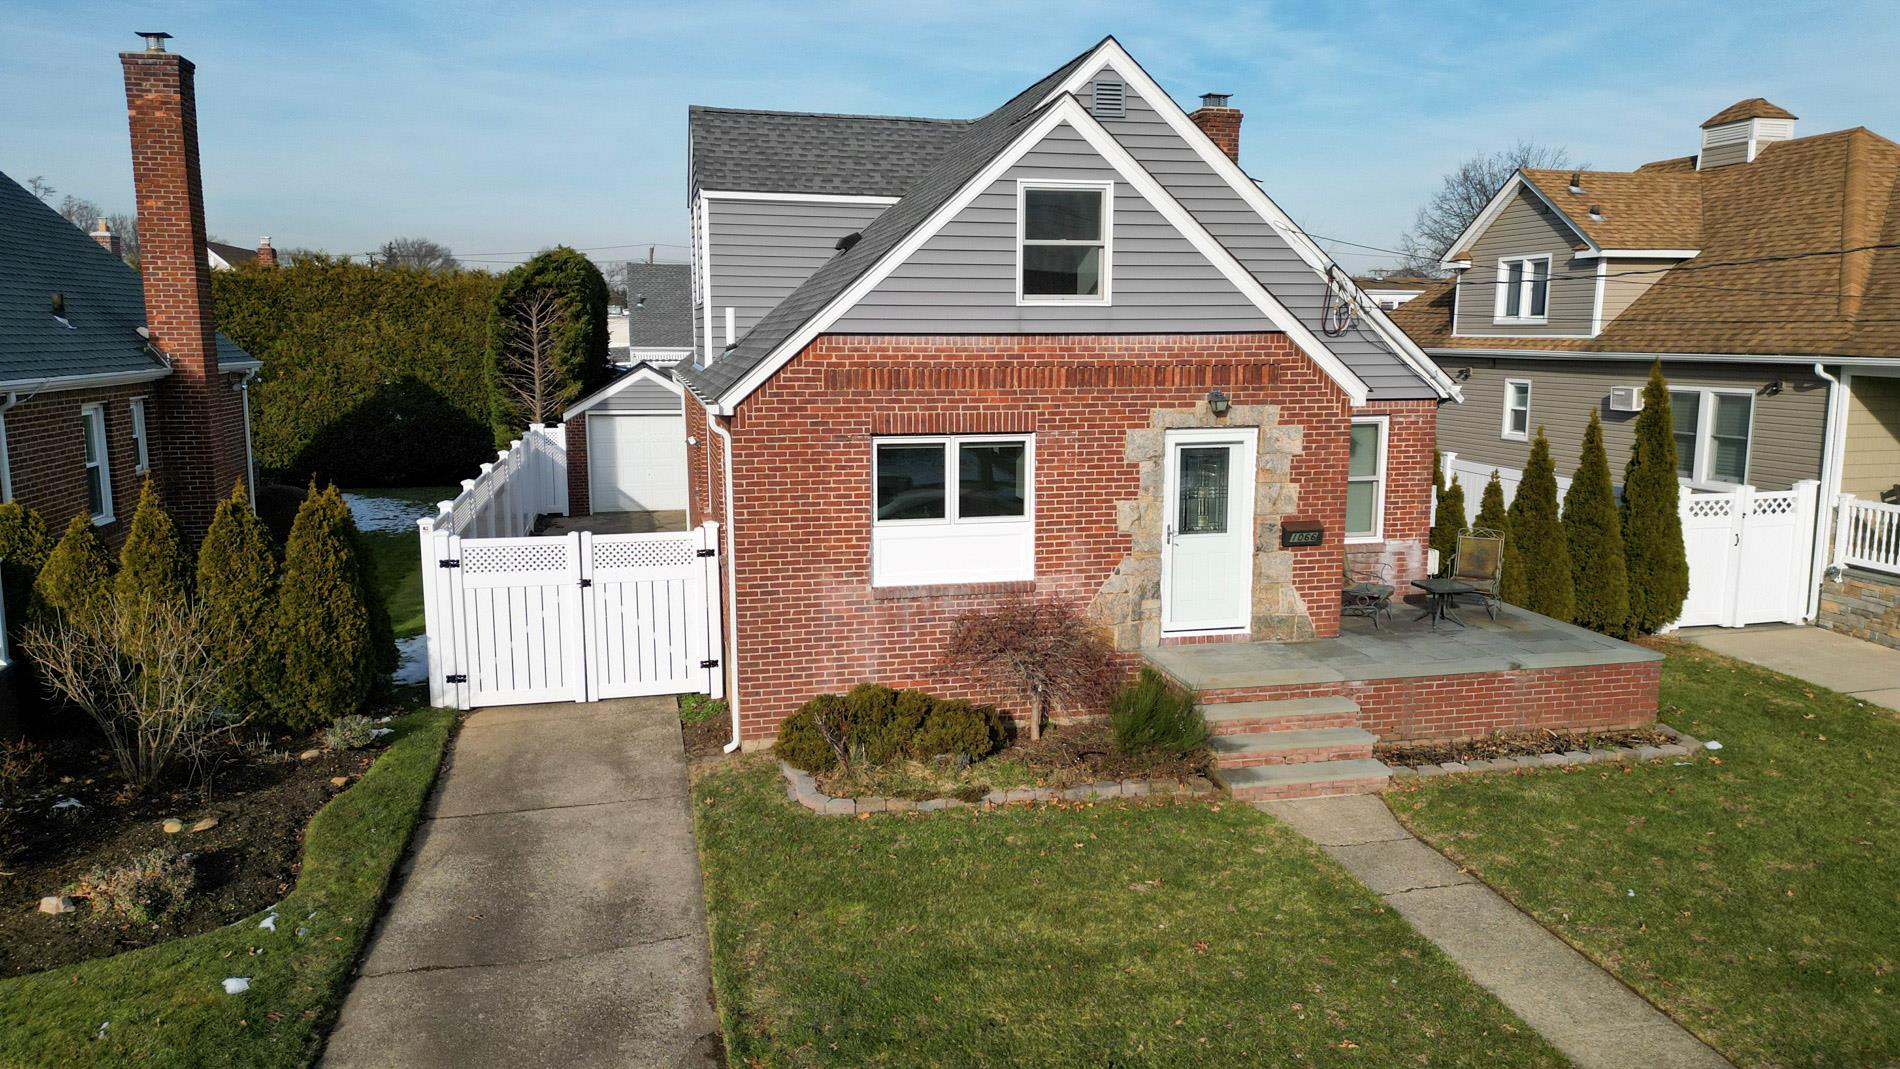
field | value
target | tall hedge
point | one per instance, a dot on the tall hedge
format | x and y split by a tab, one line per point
324	635
1652	527
153	562
1595	530
1537	537
76	581
237	582
581	339
1449	521
372	376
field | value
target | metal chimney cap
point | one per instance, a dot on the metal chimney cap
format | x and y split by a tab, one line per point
1216	100
154	39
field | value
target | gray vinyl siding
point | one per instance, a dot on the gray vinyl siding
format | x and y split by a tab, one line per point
1784	444
643	396
1626	280
963	279
1254	242
762	250
1526	227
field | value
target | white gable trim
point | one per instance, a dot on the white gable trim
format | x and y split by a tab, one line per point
1111	55
1071	112
645	372
803	198
1498	202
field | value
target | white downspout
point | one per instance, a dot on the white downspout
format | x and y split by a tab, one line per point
732	585
1824	509
250	459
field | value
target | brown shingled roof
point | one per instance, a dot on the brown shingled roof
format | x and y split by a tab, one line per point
1752	108
1772	276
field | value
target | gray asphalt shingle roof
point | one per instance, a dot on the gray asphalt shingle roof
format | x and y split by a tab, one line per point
42	254
665	319
806	152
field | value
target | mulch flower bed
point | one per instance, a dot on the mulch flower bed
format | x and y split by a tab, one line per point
1530	744
250	859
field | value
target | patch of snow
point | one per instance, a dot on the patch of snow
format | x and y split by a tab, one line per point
1711	745
412	664
236	985
377	733
69	803
269	923
101	1033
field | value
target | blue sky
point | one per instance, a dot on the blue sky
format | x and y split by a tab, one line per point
500	129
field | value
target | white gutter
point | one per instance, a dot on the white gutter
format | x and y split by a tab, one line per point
1832	442
56	383
732	585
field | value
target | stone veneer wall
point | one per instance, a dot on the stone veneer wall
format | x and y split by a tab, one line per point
1863	604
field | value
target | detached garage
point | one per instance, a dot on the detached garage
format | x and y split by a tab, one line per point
634	456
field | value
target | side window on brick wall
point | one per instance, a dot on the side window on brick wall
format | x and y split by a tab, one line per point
952	509
98	464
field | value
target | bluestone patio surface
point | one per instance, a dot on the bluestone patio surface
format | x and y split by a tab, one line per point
1583	1011
551	912
1838	662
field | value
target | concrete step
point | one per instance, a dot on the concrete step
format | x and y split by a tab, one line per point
1283	714
1292	747
1313	779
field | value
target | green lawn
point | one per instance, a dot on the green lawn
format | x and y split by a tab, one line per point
1753	894
166	1005
1105	935
395	559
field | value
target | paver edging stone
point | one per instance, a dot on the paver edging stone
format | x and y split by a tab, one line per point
1682	746
800	787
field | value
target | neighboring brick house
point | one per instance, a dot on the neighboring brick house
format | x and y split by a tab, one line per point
106	373
1082	312
1764	273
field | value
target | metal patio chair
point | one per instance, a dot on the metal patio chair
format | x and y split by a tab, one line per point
1479	563
1368	591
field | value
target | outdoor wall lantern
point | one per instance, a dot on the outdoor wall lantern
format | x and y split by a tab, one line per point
1217	403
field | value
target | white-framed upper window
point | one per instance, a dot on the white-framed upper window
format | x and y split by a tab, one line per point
143	449
1517	410
1064	242
952	509
1713	428
1365	480
98	465
1523	289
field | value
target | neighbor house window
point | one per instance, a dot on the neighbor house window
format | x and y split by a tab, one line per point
1517	409
1064	243
98	468
1365	480
1712	429
1523	289
952	509
143	450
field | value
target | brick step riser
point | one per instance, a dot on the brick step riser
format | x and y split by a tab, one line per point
1282	723
1294	757
1329	789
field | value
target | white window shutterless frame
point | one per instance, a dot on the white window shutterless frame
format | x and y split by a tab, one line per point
1517	410
139	439
1065	238
1365	480
1523	290
1207	536
953	509
1714	428
98	463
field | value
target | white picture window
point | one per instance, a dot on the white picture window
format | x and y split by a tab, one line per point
1365	481
952	509
1517	410
1523	289
143	450
98	465
1064	236
1712	430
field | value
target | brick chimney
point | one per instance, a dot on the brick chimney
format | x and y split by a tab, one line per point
266	256
199	418
1220	122
107	240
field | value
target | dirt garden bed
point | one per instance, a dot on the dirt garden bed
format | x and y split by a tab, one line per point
1530	744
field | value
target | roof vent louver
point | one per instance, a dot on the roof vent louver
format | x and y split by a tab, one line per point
844	243
1596	212
1576	183
1110	100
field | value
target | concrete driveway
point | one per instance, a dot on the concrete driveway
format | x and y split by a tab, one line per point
551	913
1822	657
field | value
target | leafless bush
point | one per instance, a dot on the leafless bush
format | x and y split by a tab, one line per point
144	889
21	767
149	682
1043	650
530	359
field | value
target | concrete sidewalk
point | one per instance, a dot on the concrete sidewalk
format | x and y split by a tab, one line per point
1867	671
1581	1010
551	913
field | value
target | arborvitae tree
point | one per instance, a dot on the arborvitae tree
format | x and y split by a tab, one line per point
1595	530
24	544
153	562
323	633
237	582
1493	516
1450	520
76	581
1652	527
1543	553
1491	511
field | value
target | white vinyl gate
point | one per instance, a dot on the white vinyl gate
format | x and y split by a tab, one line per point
576	617
1749	555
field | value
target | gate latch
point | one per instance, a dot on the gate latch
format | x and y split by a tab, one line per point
709	664
452	562
706	553
457	678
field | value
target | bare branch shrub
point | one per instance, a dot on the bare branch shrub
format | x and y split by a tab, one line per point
531	359
150	681
1043	650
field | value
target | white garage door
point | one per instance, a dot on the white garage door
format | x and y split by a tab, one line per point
636	463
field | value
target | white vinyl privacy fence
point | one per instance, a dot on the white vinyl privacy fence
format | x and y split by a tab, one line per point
515	617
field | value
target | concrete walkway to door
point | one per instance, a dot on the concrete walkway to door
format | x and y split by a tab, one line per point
1822	657
551	914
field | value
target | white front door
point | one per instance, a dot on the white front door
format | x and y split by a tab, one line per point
1207	538
636	463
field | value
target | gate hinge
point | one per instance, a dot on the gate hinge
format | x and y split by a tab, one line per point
452	562
708	553
457	678
709	664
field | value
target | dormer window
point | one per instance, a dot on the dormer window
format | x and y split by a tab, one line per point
1064	236
1523	289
